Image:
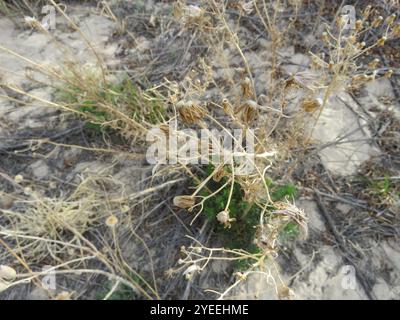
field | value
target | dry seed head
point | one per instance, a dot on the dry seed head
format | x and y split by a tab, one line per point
247	7
28	191
219	174
377	22
7	273
361	45
240	276
18	178
359	78
396	31
246	88
325	36
184	202
190	111
111	221
33	23
340	21
197	249
189	14
310	105
191	270
177	10
223	218
352	39
390	19
193	11
284	292
367	12
227	106
388	73
249	111
316	63
359	25
381	41
373	64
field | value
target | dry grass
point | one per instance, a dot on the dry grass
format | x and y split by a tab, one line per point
39	227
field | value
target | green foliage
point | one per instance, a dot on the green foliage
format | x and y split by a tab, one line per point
242	232
125	97
289	232
381	187
281	192
123	292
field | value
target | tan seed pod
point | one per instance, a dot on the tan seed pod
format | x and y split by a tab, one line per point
177	11
310	105
359	78
390	19
377	22
184	201
190	111
227	106
396	31
367	12
249	111
219	174
340	21
246	88
359	25
7	273
164	128
284	292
